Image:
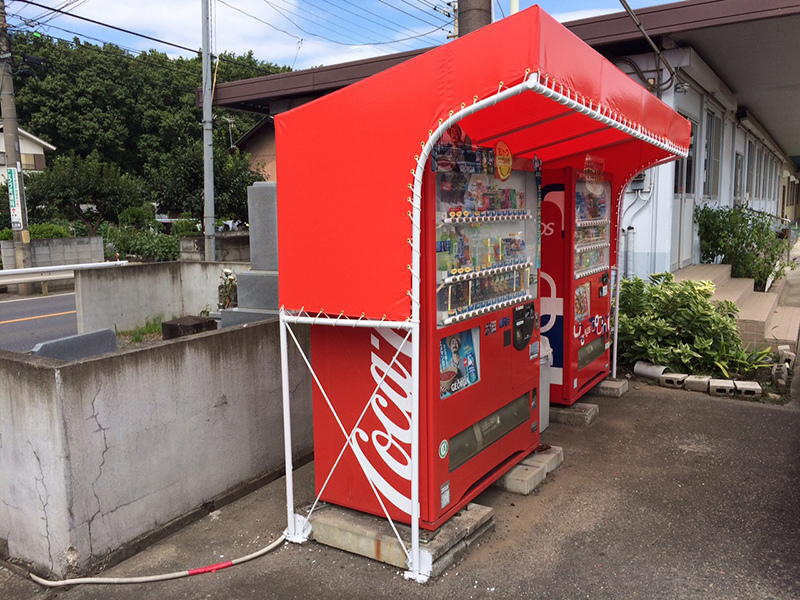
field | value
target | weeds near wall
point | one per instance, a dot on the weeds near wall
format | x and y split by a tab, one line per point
675	324
744	239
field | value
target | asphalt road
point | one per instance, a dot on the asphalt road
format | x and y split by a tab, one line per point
669	495
28	321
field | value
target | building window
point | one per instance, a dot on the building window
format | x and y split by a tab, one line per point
738	179
687	164
713	148
28	162
751	169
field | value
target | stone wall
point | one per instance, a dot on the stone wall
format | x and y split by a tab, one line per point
59	251
229	246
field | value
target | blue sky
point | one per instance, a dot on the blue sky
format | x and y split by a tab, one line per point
298	33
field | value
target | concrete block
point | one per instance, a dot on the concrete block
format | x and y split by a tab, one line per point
610	388
697	383
580	414
262	206
75	347
672	380
258	289
549	457
721	387
186	326
780	372
371	536
523	478
747	389
784	348
786	357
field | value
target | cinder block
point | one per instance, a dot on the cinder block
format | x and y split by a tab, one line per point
748	389
784	348
721	387
780	372
697	383
672	380
550	457
579	414
523	478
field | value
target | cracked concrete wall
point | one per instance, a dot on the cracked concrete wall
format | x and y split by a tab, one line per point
114	298
151	434
34	462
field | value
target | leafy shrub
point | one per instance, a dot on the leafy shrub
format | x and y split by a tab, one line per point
141	217
744	239
675	324
146	244
40	231
185	227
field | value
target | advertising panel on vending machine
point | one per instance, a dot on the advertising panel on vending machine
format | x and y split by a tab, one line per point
579	232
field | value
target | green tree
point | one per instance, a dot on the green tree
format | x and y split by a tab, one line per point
88	190
177	185
137	112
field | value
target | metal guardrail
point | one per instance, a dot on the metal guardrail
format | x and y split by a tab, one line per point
53	273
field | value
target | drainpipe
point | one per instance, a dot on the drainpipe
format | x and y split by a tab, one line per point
629	252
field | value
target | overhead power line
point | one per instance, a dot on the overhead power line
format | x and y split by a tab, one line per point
114	27
136	34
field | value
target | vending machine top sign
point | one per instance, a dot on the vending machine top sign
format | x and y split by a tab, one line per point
346	218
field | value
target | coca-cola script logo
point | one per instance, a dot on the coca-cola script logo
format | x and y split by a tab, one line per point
382	442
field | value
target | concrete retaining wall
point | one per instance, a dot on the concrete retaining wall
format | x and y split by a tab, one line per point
98	452
60	251
126	297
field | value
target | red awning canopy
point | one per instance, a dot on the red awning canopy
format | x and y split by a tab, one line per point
347	162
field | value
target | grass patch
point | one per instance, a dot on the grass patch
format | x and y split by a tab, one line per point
151	331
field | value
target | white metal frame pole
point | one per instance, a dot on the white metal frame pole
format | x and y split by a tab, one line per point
291	525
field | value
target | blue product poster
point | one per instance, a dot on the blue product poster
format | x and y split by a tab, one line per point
458	362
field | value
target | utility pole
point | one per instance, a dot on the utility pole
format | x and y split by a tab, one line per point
473	14
208	138
16	189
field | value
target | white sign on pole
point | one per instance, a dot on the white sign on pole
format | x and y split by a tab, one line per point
14	199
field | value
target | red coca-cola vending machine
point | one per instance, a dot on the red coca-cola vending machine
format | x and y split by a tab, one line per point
578	241
479	350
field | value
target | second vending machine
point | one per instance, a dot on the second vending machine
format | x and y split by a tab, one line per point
578	238
479	348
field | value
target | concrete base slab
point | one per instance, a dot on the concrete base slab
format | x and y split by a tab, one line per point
697	383
371	536
580	414
522	479
549	457
611	388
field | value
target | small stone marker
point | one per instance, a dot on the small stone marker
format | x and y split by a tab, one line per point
186	326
